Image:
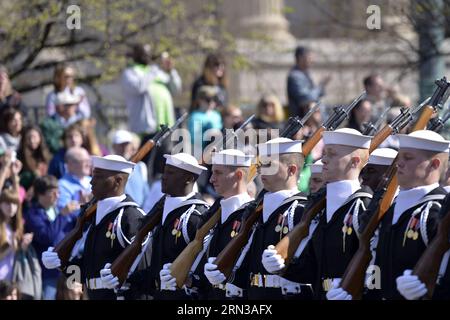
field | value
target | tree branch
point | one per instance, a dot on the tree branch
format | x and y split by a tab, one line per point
34	53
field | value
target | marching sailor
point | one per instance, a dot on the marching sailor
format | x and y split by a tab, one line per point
112	228
230	170
410	223
332	240
282	161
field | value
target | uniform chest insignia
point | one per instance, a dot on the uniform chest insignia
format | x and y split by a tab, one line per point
347	228
235	229
176	232
110	233
411	231
281	226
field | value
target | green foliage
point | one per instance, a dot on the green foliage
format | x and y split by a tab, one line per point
34	36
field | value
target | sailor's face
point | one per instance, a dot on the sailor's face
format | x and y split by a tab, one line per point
174	180
316	182
222	178
372	174
103	183
413	167
336	162
274	173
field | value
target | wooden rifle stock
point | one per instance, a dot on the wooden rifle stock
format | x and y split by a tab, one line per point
439	97
425	116
65	246
181	266
427	268
288	245
313	141
353	279
382	135
355	273
227	258
122	264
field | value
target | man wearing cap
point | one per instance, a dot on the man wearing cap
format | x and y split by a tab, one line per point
230	169
113	227
66	114
182	214
66	108
137	186
410	223
282	161
332	240
379	161
316	180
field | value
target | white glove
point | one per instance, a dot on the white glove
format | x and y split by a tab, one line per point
50	259
410	286
271	260
337	293
168	282
108	279
233	291
214	276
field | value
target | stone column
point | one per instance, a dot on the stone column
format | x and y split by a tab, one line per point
247	18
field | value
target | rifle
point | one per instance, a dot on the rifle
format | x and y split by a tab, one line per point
427	267
370	128
227	258
438	99
65	246
353	279
289	244
354	275
122	264
332	123
215	146
181	266
437	124
294	124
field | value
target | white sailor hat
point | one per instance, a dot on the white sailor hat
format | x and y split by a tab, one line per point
67	98
316	167
184	161
382	156
279	146
347	137
232	157
424	140
113	163
122	136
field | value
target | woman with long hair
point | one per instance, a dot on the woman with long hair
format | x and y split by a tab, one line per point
269	113
91	143
11	125
213	74
34	154
64	80
18	261
360	115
